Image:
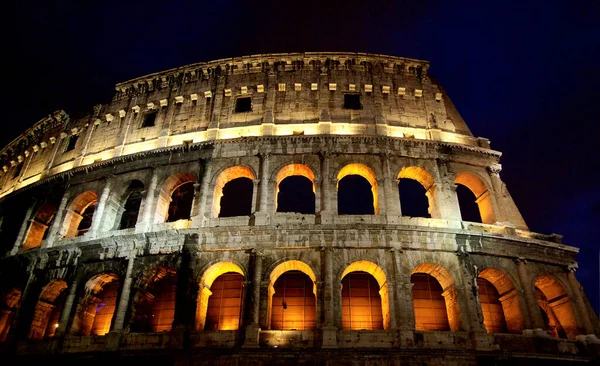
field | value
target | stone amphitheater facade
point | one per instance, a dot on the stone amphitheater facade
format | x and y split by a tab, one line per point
115	244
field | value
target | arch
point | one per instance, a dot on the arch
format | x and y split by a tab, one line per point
96	307
482	195
417	192
79	214
450	293
227	175
165	200
154	301
9	303
293	267
365	172
132	200
512	313
48	309
206	281
38	228
293	170
374	270
556	303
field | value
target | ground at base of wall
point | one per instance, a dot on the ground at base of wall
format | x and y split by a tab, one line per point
251	357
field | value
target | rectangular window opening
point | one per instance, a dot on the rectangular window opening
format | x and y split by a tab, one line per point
72	142
243	105
352	101
149	119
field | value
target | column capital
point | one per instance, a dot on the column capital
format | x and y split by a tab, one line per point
494	169
520	260
572	267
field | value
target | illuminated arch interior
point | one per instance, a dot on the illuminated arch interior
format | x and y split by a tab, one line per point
154	309
82	205
204	293
226	176
10	302
47	310
293	268
450	294
509	300
556	304
38	227
423	177
290	171
377	273
482	195
96	308
365	172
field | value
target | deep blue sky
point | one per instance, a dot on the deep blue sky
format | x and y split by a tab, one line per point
524	75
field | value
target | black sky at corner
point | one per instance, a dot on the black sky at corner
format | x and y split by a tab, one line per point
526	76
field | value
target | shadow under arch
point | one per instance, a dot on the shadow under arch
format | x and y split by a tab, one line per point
377	272
164	207
508	297
206	281
293	170
449	293
555	302
90	318
153	306
365	172
79	214
423	177
281	269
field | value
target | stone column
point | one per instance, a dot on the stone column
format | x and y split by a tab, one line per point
147	218
262	216
252	326
65	315
404	299
202	209
98	218
471	312
196	200
392	196
534	320
59	217
442	195
125	292
25	227
576	291
328	207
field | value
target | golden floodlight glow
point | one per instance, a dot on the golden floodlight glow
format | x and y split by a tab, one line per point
482	194
226	176
365	172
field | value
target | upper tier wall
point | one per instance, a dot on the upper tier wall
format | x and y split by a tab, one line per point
300	93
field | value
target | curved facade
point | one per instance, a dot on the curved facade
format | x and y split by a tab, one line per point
243	209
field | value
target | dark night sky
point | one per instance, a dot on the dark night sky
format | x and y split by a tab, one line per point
524	75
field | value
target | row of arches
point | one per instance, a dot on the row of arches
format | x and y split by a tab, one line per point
293	293
295	188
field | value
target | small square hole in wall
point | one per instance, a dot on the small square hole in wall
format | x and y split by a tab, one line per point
352	101
72	141
149	119
243	105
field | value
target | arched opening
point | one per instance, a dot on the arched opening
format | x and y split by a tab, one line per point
555	303
435	299
220	297
416	192
131	208
292	297
180	207
479	195
224	308
236	200
154	309
80	214
96	308
365	300
176	197
500	304
295	189
9	304
47	310
357	190
361	302
38	228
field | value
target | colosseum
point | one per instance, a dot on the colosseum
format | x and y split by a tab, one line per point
306	208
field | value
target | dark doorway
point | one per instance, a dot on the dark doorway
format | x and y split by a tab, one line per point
237	198
355	196
296	195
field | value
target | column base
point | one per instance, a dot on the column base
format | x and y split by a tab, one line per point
262	218
588	338
113	340
327	217
537	332
329	337
251	336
